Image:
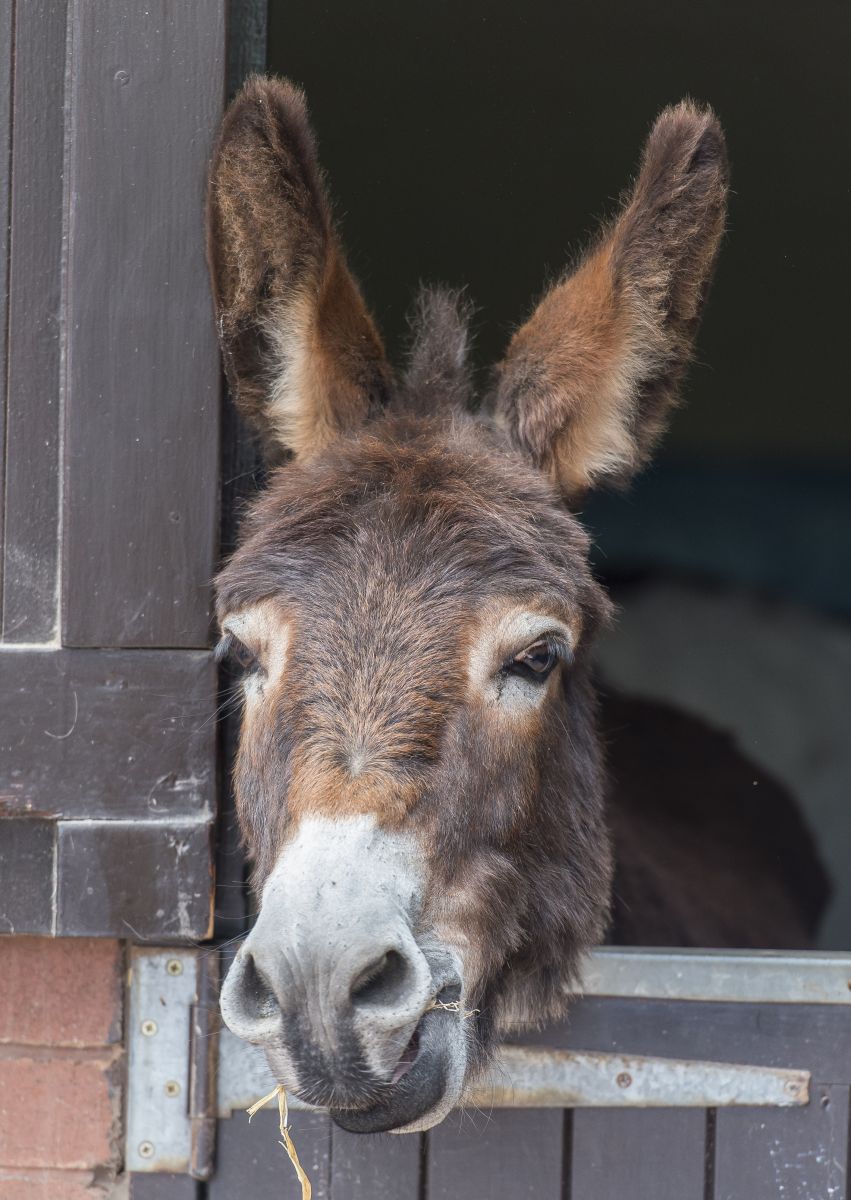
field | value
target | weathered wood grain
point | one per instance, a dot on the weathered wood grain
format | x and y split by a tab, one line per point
251	1163
34	326
794	1154
140	494
27	851
377	1167
646	1154
7	50
143	881
507	1155
164	1187
99	734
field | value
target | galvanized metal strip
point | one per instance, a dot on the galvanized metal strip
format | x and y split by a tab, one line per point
802	977
526	1077
243	1076
163	990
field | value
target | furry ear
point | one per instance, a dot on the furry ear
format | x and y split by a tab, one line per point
302	355
588	381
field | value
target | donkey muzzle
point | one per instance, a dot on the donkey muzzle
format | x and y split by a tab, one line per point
337	984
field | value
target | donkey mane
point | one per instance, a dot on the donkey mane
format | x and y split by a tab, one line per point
438	371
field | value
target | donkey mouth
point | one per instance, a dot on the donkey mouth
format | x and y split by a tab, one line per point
408	1058
417	1086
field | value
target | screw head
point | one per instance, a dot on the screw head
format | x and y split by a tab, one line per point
624	1080
172	1088
148	1027
146	1150
174	967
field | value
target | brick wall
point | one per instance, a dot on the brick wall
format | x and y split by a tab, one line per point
61	1068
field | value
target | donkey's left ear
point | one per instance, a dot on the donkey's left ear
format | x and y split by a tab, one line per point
588	381
303	357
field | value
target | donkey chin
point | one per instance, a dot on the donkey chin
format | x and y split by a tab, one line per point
357	1011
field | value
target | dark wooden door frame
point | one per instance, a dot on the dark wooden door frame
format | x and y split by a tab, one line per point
110	407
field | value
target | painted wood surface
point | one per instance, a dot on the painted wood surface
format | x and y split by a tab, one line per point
383	1167
141	466
164	1187
658	1153
251	1163
7	49
508	1155
92	734
109	401
139	881
791	1154
33	409
107	792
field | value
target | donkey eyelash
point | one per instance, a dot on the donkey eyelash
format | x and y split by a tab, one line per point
230	647
555	643
223	648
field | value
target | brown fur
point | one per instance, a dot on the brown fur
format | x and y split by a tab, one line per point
282	290
406	523
588	381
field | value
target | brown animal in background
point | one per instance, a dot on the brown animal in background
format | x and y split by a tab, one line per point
419	780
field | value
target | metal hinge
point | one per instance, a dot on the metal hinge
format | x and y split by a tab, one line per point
173	1028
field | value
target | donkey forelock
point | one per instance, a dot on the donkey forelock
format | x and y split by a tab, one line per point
419	779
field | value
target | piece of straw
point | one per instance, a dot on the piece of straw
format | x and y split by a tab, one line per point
453	1006
287	1143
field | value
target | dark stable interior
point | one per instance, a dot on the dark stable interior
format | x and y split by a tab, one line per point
478	145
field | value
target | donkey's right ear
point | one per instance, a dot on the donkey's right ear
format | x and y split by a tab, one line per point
302	355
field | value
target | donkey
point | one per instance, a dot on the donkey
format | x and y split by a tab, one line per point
420	778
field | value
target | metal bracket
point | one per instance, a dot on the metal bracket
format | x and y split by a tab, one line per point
534	1077
728	976
173	1054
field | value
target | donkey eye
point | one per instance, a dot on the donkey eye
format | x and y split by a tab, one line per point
232	648
536	661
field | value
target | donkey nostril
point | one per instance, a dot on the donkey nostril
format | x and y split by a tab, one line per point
256	996
383	983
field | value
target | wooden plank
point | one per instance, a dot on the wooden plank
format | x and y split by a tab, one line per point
383	1167
508	1155
7	53
87	733
232	893
140	493
142	881
251	1163
35	277
163	1187
6	76
795	1154
645	1154
812	1037
27	851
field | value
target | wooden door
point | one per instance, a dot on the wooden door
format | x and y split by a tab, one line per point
109	399
755	1105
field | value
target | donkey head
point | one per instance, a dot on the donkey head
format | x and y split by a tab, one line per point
418	779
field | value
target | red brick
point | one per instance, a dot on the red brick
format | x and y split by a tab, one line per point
55	1112
47	1185
60	992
